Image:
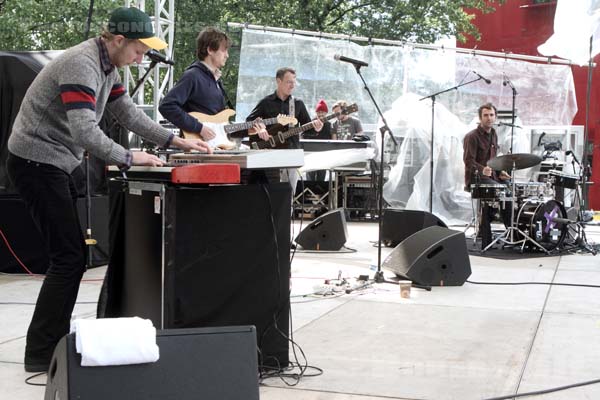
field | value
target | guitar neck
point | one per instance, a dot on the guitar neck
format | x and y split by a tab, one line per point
295	131
281	137
230	128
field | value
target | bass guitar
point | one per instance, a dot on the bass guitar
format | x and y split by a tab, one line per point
280	138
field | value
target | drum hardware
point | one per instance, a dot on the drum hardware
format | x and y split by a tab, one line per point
576	238
487	191
546	222
563	179
534	190
512	162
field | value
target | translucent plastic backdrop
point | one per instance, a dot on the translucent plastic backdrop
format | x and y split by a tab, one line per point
398	77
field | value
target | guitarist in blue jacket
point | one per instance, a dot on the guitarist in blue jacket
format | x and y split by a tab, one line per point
199	89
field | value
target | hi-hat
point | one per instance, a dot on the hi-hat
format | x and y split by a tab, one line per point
514	161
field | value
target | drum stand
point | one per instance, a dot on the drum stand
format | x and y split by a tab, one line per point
576	230
508	236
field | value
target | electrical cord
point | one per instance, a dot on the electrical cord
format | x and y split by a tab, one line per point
545	391
15	255
282	373
28	379
27	270
533	283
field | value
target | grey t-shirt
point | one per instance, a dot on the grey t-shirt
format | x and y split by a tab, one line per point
346	129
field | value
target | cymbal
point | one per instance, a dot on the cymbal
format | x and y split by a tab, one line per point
520	161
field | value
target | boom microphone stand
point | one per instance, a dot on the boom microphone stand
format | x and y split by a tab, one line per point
385	128
432	97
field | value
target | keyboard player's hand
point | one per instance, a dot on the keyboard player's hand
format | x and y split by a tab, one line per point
143	158
191	144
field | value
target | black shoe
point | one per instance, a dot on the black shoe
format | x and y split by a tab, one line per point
37	367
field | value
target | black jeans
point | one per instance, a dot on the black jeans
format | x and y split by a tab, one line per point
50	196
487	216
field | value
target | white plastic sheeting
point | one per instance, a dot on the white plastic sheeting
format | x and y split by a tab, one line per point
397	77
574	23
335	158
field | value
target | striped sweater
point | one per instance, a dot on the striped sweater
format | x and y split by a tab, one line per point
59	115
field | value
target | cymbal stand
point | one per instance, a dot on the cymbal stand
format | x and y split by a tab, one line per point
505	82
508	236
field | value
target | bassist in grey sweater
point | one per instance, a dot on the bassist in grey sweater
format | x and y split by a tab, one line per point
57	122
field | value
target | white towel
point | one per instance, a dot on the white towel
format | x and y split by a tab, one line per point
115	341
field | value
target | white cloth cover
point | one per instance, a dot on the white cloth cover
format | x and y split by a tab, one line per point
115	341
574	23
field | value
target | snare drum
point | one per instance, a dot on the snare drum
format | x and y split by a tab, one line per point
563	179
488	191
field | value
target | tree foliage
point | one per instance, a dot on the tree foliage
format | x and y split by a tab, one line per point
58	24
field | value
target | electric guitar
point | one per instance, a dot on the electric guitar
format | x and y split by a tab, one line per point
220	125
279	139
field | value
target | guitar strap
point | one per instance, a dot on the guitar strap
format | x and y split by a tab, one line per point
227	101
292	108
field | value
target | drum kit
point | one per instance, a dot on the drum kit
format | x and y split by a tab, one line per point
537	219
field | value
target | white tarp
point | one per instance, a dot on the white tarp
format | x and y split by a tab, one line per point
575	21
397	77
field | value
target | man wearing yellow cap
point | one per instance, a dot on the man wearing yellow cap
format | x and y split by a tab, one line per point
57	122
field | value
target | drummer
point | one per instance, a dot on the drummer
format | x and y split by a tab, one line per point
480	145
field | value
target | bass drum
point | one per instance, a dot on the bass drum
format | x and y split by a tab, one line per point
537	220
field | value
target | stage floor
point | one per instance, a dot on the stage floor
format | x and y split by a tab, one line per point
467	342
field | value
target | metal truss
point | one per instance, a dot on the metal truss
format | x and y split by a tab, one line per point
162	13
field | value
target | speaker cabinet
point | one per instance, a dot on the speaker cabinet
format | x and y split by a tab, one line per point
190	266
327	232
434	256
397	225
203	363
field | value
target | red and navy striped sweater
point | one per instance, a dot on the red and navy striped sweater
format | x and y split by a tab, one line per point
59	115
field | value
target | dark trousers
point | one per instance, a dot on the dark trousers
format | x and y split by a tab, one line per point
487	216
50	196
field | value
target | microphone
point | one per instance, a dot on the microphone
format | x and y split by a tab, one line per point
159	57
484	79
571	153
564	221
356	63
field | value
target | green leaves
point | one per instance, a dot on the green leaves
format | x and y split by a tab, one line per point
59	24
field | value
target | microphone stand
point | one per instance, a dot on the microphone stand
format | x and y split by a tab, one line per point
143	78
512	124
432	97
385	128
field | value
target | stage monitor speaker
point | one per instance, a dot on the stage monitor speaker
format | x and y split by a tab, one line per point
434	256
397	225
203	363
327	232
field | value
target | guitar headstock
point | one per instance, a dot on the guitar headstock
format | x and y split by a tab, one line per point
284	119
344	110
352	108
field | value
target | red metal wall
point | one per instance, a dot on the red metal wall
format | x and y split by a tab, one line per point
520	26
